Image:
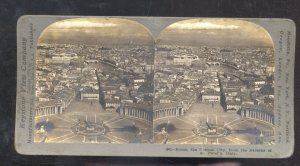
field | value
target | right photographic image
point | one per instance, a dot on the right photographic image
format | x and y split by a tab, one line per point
214	83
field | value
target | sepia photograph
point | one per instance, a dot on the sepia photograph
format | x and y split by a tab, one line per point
214	83
94	82
155	86
202	81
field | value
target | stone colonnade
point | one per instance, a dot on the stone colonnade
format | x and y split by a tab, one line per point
136	113
168	112
49	110
258	114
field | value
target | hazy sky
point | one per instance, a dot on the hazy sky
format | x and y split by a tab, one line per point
195	32
96	31
215	32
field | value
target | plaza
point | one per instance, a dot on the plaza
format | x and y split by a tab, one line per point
182	129
59	128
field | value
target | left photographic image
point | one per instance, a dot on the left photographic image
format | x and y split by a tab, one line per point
94	82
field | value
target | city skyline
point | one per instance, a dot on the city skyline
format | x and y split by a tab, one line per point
95	31
215	32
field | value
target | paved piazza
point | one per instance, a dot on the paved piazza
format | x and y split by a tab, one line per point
182	130
59	128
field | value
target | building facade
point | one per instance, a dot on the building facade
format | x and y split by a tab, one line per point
214	97
89	95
